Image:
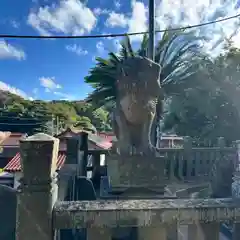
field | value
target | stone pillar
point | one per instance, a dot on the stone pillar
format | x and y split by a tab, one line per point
192	231
84	158
201	231
99	234
236	194
188	161
153	233
172	231
73	150
237	163
236	189
96	172
38	190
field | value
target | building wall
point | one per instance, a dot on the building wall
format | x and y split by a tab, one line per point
17	177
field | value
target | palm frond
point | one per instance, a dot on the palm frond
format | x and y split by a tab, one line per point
178	52
114	58
129	47
144	46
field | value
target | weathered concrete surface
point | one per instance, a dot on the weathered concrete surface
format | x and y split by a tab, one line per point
8	203
136	171
38	190
183	234
130	213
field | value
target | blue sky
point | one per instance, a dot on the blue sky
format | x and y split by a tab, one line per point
55	69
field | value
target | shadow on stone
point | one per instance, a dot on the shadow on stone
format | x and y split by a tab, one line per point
8	204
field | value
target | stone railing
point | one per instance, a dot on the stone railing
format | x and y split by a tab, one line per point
40	215
152	217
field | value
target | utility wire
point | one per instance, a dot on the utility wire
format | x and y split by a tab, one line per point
21	124
119	34
24	118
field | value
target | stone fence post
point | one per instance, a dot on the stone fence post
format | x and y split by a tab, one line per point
187	145
236	188
38	189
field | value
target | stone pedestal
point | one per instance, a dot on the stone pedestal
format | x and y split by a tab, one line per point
137	175
38	190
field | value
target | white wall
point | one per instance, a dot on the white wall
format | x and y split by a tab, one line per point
17	177
102	159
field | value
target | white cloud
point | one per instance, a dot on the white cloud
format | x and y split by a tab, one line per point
68	17
15	24
35	90
8	51
49	84
116	20
100	11
117	4
64	96
104	33
52	87
94	59
100	47
76	49
6	87
186	12
35	93
137	22
117	44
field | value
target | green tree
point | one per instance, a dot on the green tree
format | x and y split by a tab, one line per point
84	123
209	106
20	115
177	52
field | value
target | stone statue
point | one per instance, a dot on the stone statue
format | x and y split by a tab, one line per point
138	91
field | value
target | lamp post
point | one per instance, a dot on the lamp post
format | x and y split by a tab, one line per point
151	20
151	52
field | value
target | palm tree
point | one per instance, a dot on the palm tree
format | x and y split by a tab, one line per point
178	52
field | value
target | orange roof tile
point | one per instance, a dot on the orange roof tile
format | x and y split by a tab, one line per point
14	164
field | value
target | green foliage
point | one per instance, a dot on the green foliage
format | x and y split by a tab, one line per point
201	94
208	106
177	52
19	115
84	123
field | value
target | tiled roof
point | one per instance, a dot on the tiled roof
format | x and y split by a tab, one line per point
97	140
69	132
13	139
14	164
107	135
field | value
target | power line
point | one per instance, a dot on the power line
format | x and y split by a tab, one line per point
24	118
21	124
119	34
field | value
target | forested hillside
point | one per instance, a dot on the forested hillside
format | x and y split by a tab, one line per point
21	115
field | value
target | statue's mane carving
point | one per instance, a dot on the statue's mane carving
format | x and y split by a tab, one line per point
138	88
